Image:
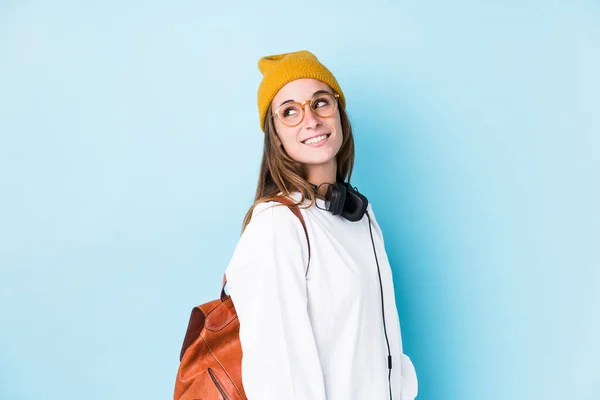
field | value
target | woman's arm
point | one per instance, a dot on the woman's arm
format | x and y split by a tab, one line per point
266	281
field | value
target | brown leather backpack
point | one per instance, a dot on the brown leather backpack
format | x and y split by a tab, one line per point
211	356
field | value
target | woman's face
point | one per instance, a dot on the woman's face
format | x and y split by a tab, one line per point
325	132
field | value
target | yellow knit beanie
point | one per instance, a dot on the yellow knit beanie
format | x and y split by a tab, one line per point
280	69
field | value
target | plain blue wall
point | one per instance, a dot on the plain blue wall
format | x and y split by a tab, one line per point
129	152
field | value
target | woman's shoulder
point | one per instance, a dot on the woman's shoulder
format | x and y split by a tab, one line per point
272	224
273	214
295	197
273	231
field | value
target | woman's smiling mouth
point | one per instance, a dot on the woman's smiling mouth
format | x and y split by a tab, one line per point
316	140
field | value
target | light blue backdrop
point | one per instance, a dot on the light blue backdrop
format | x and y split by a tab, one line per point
129	152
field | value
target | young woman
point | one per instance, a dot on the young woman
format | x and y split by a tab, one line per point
316	323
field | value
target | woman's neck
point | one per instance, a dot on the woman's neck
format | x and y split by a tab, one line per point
319	174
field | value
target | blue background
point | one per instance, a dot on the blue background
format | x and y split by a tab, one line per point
129	153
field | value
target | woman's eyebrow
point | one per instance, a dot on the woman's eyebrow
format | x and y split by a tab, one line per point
314	94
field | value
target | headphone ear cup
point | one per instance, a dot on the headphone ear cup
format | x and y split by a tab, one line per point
355	205
336	194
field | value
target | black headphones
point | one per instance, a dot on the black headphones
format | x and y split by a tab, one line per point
342	199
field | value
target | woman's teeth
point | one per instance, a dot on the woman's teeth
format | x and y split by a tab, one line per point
316	139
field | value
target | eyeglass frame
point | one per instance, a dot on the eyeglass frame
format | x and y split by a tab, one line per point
303	105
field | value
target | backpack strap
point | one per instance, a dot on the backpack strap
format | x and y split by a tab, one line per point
293	208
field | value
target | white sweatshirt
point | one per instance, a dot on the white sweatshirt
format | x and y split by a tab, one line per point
319	336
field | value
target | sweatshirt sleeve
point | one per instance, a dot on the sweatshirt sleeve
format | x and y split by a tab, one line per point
267	284
410	384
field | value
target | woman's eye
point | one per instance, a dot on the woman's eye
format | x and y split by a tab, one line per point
321	103
288	112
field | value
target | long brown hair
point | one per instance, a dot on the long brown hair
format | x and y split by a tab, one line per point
279	173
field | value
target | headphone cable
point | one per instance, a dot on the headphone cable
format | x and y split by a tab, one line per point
389	359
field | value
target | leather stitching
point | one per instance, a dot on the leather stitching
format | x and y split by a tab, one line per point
226	373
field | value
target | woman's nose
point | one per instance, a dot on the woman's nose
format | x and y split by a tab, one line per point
311	120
